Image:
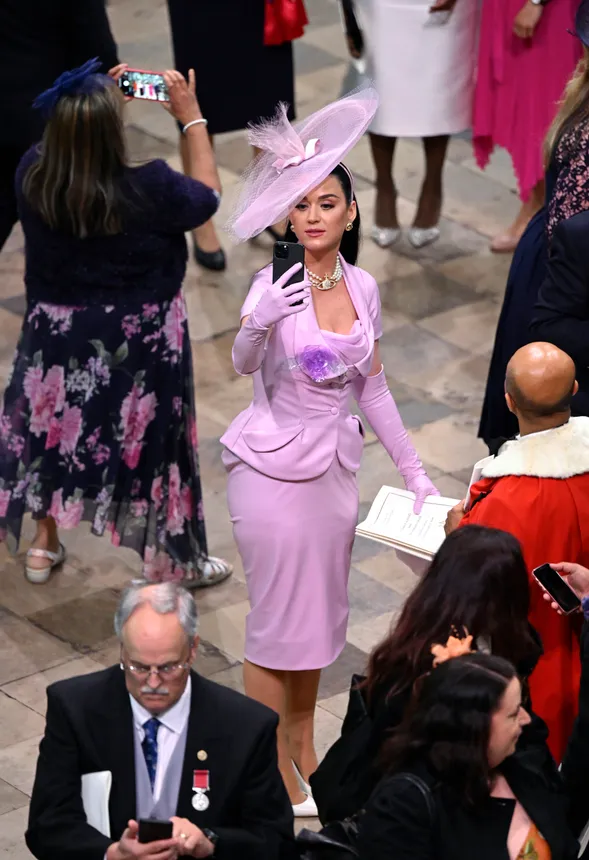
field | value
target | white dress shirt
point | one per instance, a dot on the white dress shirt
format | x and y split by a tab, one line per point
172	722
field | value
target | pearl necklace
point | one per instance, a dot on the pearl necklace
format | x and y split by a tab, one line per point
327	282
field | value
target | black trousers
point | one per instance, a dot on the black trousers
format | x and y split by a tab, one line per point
10	155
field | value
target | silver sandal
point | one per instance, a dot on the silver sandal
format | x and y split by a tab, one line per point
40	575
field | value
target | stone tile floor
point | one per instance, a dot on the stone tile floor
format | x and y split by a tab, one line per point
440	307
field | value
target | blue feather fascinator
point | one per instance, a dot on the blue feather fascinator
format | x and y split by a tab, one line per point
83	80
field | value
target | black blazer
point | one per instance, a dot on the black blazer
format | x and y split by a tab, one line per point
40	39
397	823
561	314
90	728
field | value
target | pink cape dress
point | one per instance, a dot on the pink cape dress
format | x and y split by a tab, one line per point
520	82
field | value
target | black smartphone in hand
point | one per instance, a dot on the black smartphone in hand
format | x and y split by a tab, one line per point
286	255
153	830
558	589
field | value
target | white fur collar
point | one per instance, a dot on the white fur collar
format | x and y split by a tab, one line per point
558	453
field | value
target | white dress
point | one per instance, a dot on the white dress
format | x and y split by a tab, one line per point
423	65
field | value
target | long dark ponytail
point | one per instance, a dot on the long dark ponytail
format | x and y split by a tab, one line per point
350	244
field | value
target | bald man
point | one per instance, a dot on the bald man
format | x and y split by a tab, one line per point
537	488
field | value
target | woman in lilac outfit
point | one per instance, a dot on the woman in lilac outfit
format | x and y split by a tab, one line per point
293	454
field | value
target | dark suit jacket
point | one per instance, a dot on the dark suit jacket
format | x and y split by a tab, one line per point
40	39
561	315
90	728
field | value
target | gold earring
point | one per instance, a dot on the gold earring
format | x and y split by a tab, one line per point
350	226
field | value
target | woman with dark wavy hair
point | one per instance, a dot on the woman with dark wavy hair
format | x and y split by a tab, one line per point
477	581
459	784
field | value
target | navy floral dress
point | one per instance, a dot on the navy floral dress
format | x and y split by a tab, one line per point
99	420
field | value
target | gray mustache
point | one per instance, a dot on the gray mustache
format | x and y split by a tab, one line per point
149	691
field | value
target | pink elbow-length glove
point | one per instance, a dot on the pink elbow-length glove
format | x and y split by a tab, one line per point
376	402
276	302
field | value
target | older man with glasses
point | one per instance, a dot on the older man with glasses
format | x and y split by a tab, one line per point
152	739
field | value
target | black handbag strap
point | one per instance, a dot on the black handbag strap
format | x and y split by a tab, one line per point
425	790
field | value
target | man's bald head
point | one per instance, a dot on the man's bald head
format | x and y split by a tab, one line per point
540	380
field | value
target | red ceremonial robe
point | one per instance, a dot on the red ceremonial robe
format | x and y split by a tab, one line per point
537	488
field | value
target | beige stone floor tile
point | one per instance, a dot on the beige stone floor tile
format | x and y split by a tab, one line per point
12	265
485	273
17	722
65	584
328	728
18	762
10	798
376	469
387	567
459	150
367	635
10	326
499	168
31	691
225	628
336	705
470	198
448	445
26	650
86	621
459	382
211	311
213	365
15	241
329	38
232	678
451	487
12	827
222	404
315	89
471	327
137	19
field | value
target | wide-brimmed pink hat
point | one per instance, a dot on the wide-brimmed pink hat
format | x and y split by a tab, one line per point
297	158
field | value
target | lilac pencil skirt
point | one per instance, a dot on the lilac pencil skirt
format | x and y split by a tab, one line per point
295	540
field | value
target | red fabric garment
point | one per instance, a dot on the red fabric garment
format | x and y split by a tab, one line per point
284	21
550	518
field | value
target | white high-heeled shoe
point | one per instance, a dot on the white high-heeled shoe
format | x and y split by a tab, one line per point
306	809
303	785
384	237
419	237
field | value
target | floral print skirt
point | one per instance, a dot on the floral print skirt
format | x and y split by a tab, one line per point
99	424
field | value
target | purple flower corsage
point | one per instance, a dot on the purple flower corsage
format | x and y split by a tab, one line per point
321	364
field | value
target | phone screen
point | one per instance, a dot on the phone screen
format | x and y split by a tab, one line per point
144	85
557	588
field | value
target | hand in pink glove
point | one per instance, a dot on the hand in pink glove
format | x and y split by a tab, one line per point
274	305
422	487
280	301
376	402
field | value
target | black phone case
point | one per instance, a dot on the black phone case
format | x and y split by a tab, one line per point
280	265
559	590
153	830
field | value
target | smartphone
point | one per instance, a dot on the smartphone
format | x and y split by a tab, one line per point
557	588
153	829
286	255
141	84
